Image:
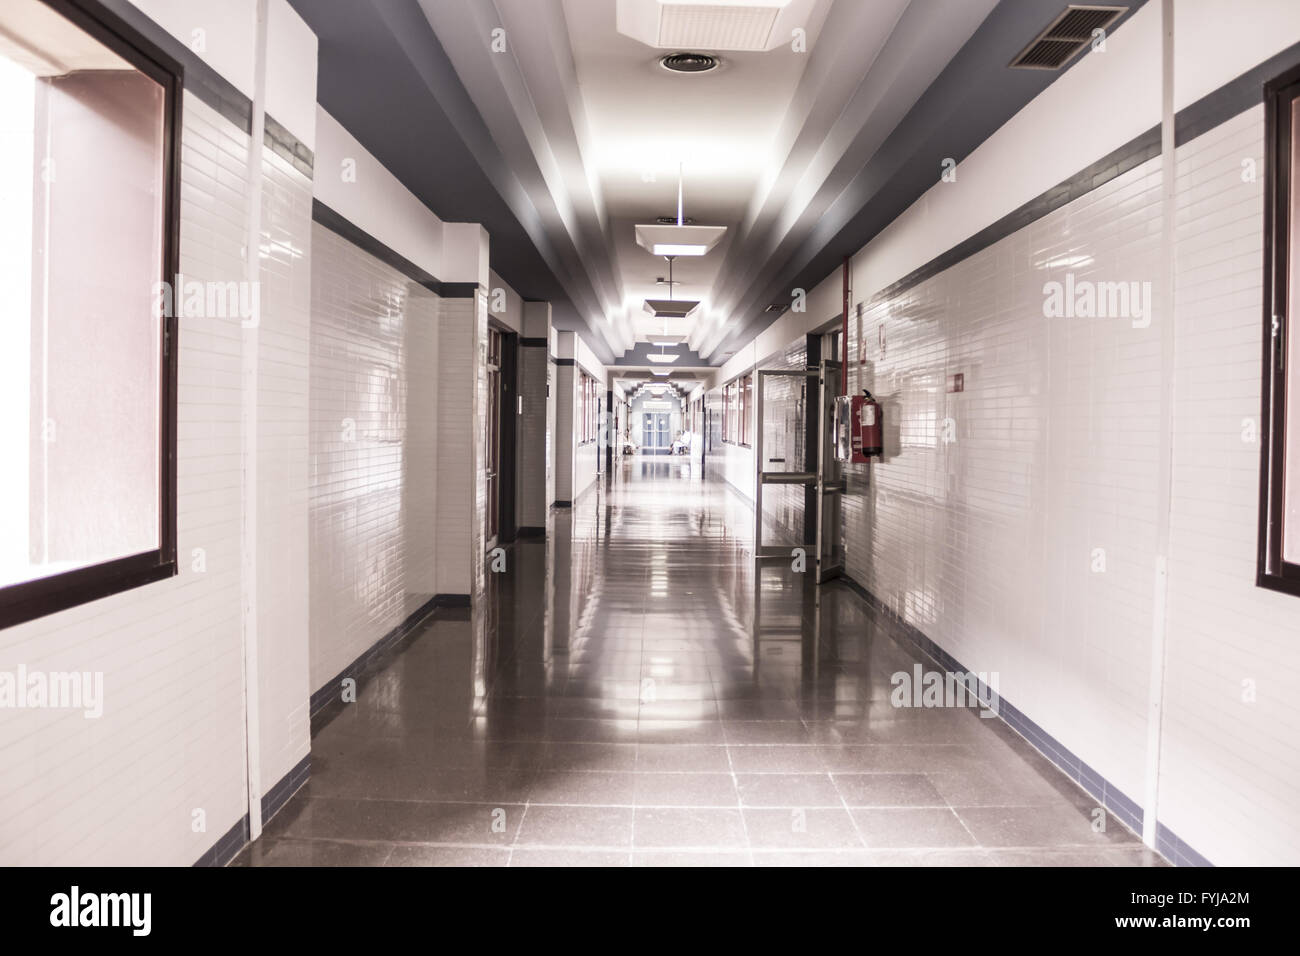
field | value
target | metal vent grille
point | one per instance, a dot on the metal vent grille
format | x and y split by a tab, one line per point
689	62
1068	34
672	221
725	26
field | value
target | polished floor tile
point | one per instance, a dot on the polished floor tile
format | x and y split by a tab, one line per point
635	691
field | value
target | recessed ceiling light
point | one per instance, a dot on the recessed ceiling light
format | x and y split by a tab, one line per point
663	359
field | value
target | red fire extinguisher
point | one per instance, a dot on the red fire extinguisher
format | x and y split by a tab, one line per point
867	430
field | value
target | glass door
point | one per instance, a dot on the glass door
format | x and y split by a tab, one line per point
656	436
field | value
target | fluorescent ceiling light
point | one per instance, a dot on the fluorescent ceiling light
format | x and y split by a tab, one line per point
671	308
678	240
661	371
659	339
663	359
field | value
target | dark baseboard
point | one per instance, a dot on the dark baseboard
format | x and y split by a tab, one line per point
286	787
235	839
1110	796
227	846
331	689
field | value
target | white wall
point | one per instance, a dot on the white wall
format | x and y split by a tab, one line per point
511	311
577	463
374	451
282	362
295	58
221	32
357	186
1229	769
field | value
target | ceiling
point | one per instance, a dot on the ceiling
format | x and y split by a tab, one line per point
558	132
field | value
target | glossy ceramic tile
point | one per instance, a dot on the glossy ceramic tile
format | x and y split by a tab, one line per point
655	700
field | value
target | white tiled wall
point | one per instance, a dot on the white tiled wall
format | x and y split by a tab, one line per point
282	559
1230	767
987	522
125	788
374	434
577	462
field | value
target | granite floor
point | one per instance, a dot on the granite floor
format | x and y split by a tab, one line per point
633	691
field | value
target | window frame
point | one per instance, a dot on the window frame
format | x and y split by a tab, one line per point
30	600
1272	570
735	421
728	419
746	400
588	411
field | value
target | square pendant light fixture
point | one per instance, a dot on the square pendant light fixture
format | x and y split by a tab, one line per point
678	240
657	339
670	308
664	372
661	359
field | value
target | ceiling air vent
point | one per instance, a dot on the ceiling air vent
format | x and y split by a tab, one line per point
689	63
1069	33
672	221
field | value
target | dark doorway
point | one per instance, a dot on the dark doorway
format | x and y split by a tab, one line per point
502	371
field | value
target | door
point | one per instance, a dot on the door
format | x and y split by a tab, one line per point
655	436
782	471
663	429
785	468
492	441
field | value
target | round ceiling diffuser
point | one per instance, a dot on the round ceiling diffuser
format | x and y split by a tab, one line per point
689	62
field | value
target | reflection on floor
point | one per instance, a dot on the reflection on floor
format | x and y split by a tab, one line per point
635	697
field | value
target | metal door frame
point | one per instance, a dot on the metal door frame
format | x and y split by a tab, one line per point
761	477
826	479
830	477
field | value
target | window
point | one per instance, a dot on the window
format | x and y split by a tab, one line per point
737	402
746	408
1279	527
587	412
88	224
